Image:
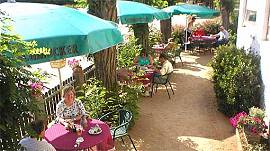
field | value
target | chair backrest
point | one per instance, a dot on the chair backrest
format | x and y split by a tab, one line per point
124	116
169	46
164	79
169	76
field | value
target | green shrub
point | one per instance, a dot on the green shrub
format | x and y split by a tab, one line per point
16	102
154	36
127	52
211	26
99	101
237	81
178	33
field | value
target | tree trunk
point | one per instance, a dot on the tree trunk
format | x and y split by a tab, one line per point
141	32
166	26
225	13
166	29
105	60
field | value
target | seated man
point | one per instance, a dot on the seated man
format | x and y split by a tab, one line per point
223	36
33	143
165	69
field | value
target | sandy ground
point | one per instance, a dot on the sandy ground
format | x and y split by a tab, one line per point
189	121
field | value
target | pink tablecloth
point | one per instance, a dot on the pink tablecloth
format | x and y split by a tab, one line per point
63	139
204	38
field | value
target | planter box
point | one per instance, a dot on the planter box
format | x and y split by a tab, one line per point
241	139
244	140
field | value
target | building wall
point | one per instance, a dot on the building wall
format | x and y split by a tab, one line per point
255	35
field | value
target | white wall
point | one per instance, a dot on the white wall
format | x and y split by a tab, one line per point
247	30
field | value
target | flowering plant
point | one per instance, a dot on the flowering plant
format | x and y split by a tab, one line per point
253	122
74	63
37	87
234	120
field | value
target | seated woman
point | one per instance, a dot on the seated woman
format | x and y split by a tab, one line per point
144	59
70	109
33	143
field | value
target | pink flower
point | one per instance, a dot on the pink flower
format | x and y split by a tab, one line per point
73	63
37	87
234	120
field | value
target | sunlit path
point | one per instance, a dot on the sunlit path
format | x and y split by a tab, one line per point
187	122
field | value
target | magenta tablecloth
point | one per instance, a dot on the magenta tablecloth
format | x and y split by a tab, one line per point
63	139
204	38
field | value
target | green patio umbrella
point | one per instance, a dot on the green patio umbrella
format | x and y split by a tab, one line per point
65	31
130	12
190	9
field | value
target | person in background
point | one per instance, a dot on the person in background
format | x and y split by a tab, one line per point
188	30
199	31
33	143
223	36
144	59
165	69
70	109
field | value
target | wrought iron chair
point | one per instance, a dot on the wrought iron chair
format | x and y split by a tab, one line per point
124	118
163	80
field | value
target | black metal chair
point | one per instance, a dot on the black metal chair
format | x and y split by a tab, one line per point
124	118
162	80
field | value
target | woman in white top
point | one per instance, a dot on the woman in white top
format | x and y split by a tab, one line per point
70	109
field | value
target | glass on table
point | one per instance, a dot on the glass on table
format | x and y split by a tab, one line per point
79	129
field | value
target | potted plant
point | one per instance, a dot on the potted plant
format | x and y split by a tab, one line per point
37	88
251	124
77	71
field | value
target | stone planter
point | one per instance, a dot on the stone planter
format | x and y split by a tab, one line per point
78	75
39	101
245	139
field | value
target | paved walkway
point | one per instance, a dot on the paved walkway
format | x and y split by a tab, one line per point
189	121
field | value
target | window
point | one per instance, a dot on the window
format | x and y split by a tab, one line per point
251	16
250	13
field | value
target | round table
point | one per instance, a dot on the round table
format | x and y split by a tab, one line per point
63	139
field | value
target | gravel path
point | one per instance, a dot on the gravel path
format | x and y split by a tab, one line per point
189	121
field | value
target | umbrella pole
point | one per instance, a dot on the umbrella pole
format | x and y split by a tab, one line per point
60	80
186	38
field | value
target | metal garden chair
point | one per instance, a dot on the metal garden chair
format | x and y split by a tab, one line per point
124	117
162	80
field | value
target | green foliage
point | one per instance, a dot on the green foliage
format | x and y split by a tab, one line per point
211	26
158	3
80	4
99	101
127	52
178	33
154	36
237	80
15	92
232	37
